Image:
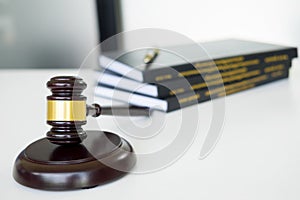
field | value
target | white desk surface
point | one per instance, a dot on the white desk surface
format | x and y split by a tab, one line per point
257	157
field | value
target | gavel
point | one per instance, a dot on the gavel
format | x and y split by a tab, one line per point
67	110
69	157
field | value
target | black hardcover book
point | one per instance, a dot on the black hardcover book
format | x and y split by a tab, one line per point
181	60
188	84
206	95
183	100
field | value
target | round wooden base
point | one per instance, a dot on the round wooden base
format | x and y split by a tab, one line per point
101	158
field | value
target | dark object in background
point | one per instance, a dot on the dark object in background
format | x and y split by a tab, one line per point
173	83
109	21
214	53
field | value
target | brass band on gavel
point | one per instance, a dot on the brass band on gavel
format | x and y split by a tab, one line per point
66	110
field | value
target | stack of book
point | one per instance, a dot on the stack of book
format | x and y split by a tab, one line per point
175	77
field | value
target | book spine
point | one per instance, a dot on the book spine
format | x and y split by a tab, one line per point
182	85
188	70
184	100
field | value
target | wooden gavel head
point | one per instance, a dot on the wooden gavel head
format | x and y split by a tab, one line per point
67	110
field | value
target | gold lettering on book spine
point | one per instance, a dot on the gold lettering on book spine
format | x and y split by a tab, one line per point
235	85
277	74
176	91
274	68
189	99
163	77
219	67
226	80
224	74
219	61
248	84
276	58
232	91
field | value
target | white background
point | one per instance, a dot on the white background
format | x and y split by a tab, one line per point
274	21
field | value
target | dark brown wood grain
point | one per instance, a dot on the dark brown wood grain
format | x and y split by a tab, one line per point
69	157
103	157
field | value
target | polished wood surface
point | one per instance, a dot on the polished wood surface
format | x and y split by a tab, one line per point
69	157
101	158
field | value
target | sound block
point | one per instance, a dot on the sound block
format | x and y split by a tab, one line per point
102	157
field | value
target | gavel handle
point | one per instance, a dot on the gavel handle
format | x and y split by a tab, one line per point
96	110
